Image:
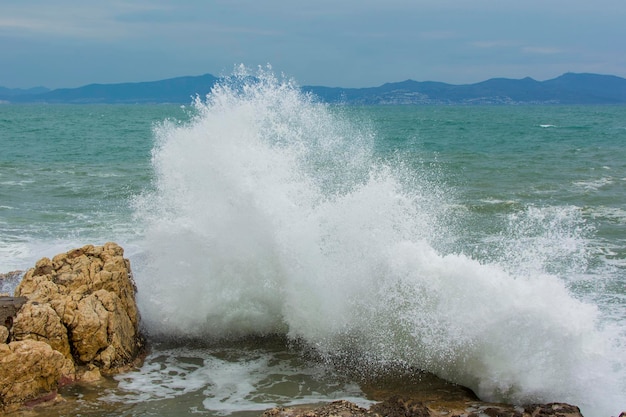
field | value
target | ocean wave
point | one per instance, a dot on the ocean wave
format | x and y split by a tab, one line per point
270	215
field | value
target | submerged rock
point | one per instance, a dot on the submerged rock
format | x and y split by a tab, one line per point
78	317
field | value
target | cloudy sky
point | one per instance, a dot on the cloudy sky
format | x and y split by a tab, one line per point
349	43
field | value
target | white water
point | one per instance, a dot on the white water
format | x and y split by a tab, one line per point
232	380
270	215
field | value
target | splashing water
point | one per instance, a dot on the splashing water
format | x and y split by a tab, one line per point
271	214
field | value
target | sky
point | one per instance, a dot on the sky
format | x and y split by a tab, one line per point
346	43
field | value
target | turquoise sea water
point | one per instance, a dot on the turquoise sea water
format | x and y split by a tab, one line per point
484	244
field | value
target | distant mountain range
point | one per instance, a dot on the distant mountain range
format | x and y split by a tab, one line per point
568	88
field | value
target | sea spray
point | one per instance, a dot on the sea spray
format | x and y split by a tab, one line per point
270	214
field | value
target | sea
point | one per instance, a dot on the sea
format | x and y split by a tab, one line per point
285	250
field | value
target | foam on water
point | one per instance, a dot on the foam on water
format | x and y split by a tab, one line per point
232	380
271	215
595	184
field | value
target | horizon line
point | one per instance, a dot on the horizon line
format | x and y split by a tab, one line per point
307	85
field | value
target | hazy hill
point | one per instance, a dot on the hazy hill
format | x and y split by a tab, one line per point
569	88
173	90
14	92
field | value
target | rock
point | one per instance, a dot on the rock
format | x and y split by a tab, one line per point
397	406
414	393
30	370
82	303
552	409
340	408
74	315
40	322
92	374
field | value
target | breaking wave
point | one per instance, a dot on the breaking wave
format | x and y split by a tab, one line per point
271	214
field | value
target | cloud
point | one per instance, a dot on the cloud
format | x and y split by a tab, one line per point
324	42
74	19
69	28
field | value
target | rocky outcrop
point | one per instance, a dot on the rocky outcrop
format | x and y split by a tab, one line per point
83	304
79	318
406	407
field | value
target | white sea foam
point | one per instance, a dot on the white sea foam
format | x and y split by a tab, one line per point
616	214
497	201
230	381
595	184
18	183
270	215
23	254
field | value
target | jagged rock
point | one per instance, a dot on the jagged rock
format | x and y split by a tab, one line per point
73	316
89	295
397	406
552	410
341	408
30	369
